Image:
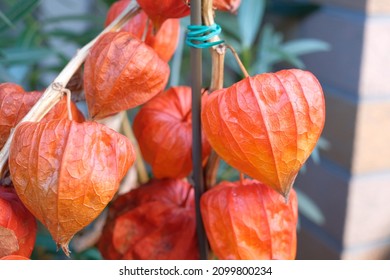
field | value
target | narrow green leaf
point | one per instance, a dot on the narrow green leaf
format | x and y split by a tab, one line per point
229	25
266	57
250	16
322	144
89	18
305	46
290	58
309	208
6	20
24	55
18	11
80	38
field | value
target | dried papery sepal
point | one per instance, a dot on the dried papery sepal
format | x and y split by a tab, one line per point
121	72
52	96
247	220
164	40
153	222
163	128
164	10
16	102
66	172
18	226
266	126
227	5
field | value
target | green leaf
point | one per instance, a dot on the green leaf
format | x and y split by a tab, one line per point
18	11
322	144
227	173
28	37
250	16
229	25
283	56
79	38
72	18
6	20
270	41
272	50
305	46
24	55
308	208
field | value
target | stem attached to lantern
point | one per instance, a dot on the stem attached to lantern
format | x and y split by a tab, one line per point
240	64
54	93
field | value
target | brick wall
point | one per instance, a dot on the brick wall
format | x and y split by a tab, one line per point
351	185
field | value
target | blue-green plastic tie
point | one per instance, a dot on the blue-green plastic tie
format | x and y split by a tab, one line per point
198	35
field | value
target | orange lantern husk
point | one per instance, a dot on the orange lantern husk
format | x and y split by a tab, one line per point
164	41
66	172
18	226
154	221
120	73
163	128
14	258
227	5
16	103
247	220
164	10
266	126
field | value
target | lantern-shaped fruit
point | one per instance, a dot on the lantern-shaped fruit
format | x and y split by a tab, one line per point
266	126
16	103
163	128
164	41
248	220
120	73
14	258
154	221
66	172
227	5
164	9
17	225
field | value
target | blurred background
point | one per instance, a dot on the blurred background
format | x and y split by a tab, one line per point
345	185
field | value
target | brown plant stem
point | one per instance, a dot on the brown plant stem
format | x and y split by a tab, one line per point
218	53
52	94
146	30
240	64
242	178
143	176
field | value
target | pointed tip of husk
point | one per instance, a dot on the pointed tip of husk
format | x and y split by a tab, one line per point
286	196
65	248
285	192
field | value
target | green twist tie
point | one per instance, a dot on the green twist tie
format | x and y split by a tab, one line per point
198	35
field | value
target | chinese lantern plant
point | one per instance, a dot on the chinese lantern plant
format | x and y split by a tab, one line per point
163	128
249	220
66	172
121	72
227	5
16	103
164	40
164	10
266	126
18	226
154	221
14	258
